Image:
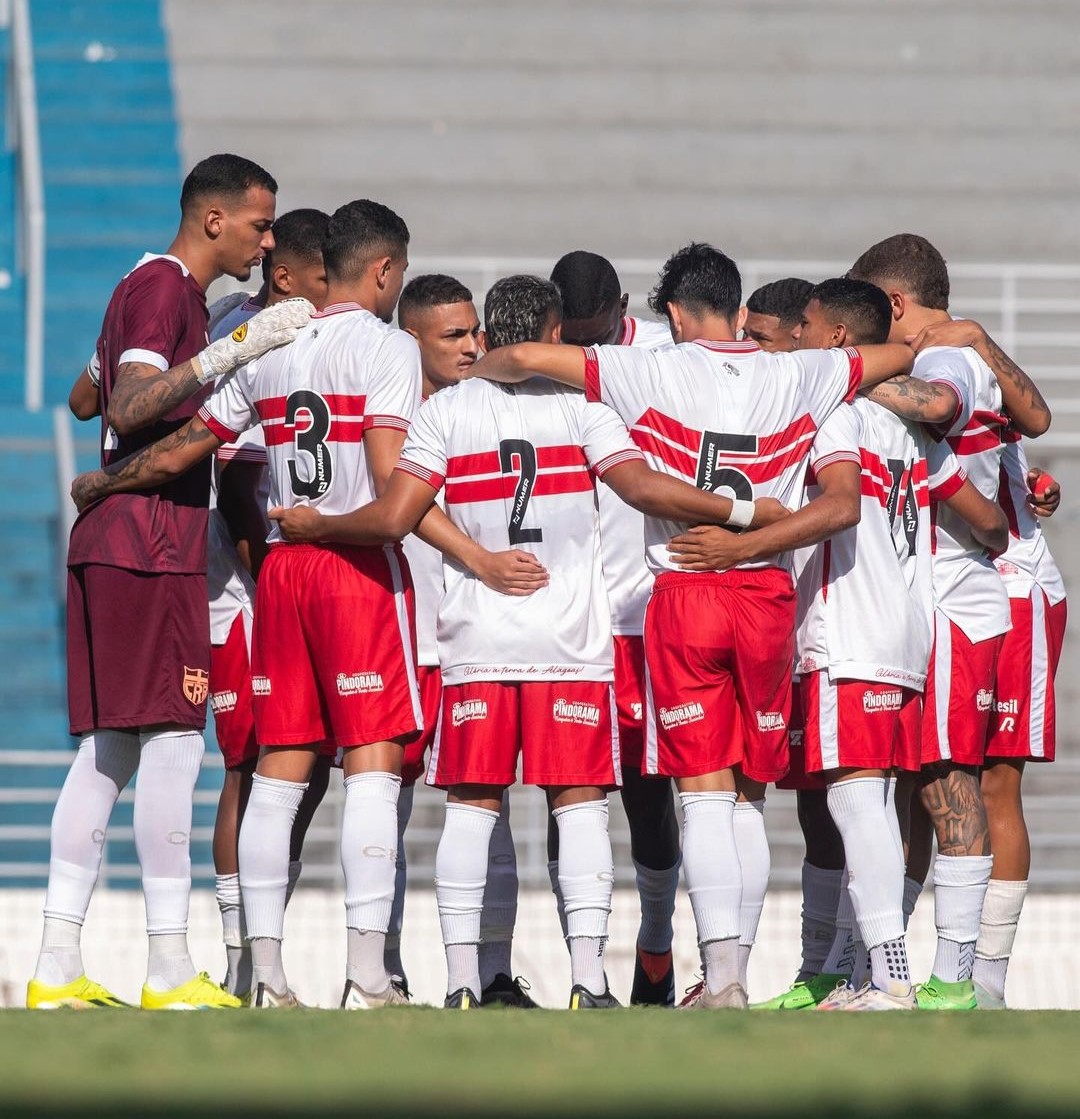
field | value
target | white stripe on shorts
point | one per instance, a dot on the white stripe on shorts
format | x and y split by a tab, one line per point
828	722
616	749
1040	675
942	682
652	747
405	631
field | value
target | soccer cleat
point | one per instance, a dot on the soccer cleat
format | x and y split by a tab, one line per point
462	999
354	997
900	996
266	998
731	997
504	991
198	993
803	994
581	998
936	995
692	994
654	979
79	994
987	1000
838	997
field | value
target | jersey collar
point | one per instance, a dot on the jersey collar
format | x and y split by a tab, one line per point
728	347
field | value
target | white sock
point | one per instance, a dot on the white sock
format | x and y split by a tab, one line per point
392	958
296	868
263	848
912	890
720	959
875	864
499	915
237	953
560	906
997	931
755	863
369	850
656	891
841	957
821	896
266	965
461	863
102	767
711	864
960	883
586	879
168	769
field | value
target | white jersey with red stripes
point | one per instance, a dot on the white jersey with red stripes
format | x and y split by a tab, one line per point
426	568
517	463
724	416
346	373
967	588
622	527
865	599
1027	561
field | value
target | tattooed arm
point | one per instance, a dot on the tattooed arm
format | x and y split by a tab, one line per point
1021	397
160	462
143	393
913	399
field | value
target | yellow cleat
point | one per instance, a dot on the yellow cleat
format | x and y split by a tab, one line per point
199	993
79	994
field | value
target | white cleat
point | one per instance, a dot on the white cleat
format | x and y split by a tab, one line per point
266	998
841	995
899	996
356	998
731	997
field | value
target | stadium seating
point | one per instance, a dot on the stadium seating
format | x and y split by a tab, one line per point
11	283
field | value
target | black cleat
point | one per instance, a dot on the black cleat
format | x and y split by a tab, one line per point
462	999
654	979
504	991
581	998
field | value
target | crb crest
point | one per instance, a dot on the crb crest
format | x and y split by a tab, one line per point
196	685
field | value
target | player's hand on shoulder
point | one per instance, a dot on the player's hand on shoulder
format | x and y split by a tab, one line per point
273	326
512	572
955	332
299	525
1044	492
767	511
706	548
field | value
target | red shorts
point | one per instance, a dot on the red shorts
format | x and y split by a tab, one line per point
907	749
429	678
138	648
797	776
566	732
1024	725
718	653
230	696
630	698
959	695
333	656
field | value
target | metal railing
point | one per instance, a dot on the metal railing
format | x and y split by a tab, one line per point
31	256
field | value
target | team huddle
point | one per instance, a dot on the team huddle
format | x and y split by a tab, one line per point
791	541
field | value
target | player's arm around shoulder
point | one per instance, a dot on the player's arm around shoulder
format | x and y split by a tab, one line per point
911	398
514	364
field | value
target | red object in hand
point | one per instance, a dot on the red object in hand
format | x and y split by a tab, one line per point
1042	484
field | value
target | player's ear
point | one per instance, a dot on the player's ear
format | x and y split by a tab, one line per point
625	302
556	333
481	340
382	270
212	222
280	279
899	304
409	330
675	321
839	337
740	318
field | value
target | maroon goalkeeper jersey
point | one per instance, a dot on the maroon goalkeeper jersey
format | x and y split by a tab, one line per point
158	316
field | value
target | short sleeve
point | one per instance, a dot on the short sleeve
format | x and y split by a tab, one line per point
946	475
947	366
619	376
154	323
230	408
837	440
394	383
424	453
605	440
828	378
249	446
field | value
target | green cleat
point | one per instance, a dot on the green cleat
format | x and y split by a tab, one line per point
936	995
803	994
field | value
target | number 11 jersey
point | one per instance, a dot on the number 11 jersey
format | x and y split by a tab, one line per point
518	464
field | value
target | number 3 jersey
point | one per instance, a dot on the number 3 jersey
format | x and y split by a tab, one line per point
345	373
865	595
517	464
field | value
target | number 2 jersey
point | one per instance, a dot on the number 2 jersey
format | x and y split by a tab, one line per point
724	416
517	466
345	373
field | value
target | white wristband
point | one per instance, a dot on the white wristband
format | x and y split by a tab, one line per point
742	513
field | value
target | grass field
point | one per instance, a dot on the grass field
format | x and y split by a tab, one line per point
421	1062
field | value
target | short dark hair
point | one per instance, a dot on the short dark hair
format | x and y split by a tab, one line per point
587	283
910	261
701	279
298	233
518	308
223	176
360	232
432	290
783	299
862	307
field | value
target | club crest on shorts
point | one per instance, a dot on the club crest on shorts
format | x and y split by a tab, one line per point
240	333
196	685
